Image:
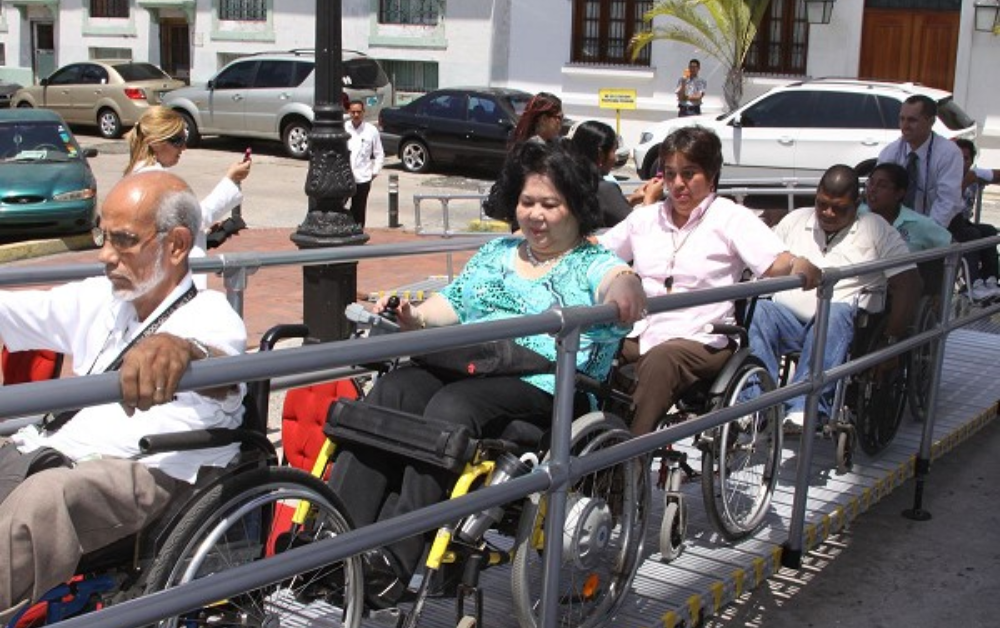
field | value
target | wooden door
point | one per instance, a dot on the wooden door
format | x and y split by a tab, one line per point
910	45
175	49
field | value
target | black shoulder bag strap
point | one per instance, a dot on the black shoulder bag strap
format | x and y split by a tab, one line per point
53	422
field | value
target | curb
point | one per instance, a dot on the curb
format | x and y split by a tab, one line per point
38	248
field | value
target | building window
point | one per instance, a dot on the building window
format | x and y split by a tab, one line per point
411	76
782	40
422	12
111	53
243	10
109	8
602	30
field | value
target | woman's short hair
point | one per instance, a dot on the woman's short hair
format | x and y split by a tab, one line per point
542	104
594	139
155	125
575	177
697	144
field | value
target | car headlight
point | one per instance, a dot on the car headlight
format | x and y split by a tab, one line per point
645	137
76	195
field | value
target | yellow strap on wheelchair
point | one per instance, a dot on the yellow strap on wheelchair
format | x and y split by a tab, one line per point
443	537
319	468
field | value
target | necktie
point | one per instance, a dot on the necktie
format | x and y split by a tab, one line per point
911	172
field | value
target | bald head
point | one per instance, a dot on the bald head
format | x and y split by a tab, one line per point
840	180
158	197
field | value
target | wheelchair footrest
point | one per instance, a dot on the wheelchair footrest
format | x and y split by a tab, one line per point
416	437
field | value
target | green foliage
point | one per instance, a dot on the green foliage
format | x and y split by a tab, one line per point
724	29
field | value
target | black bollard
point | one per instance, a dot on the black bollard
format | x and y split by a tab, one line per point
393	201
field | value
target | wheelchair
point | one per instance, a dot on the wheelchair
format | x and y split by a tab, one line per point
868	406
739	460
230	517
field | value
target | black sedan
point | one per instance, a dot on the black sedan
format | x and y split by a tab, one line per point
459	125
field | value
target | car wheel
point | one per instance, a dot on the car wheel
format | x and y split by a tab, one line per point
865	168
295	137
109	125
652	165
415	156
193	135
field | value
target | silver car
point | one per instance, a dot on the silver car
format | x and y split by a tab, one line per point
270	96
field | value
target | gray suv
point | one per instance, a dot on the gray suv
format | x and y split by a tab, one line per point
270	96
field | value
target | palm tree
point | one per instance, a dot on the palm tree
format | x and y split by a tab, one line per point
724	29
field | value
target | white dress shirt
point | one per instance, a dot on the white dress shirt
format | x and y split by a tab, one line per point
939	180
367	155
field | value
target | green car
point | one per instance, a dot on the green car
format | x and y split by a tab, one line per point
46	185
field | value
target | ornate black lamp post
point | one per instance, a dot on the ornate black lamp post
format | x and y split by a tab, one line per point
327	289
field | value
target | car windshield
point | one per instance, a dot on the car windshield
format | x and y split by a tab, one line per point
953	116
36	141
141	72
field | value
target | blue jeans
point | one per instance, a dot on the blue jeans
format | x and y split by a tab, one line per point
775	331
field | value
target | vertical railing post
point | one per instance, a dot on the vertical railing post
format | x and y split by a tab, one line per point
567	345
792	554
234	278
393	201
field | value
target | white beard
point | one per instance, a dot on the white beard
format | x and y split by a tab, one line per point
146	286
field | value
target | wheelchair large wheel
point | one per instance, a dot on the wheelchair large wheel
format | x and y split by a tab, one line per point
920	368
740	464
606	515
878	400
234	524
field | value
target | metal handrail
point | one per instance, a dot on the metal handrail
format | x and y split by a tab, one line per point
552	477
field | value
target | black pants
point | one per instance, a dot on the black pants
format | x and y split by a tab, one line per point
688	110
376	486
982	263
359	202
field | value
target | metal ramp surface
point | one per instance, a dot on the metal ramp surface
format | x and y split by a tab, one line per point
711	573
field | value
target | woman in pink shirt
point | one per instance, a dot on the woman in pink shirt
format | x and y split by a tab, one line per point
690	241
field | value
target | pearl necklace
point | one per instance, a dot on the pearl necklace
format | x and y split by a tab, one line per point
535	262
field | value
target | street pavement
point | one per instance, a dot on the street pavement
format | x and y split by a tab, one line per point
884	571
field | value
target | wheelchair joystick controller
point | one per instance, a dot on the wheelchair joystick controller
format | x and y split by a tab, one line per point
508	466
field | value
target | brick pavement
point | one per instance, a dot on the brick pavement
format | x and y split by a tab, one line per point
274	295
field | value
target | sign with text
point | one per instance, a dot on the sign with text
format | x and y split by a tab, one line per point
617	98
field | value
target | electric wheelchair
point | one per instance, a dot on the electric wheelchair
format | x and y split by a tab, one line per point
243	513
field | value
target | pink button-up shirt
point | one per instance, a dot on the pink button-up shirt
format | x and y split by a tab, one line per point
712	249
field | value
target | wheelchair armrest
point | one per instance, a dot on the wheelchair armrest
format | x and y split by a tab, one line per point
725	329
202	439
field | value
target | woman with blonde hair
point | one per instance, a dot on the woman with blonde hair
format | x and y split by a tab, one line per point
157	141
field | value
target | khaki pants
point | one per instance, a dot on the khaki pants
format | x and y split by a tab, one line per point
56	516
664	372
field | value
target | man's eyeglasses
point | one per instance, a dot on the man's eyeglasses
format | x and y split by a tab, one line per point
120	240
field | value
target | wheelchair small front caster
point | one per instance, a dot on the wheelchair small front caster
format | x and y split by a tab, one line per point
673	529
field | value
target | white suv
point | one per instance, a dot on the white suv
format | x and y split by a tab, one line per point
803	128
270	96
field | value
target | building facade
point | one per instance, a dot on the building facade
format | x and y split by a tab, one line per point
575	48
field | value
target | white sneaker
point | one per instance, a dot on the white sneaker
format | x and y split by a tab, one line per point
979	291
792	425
992	287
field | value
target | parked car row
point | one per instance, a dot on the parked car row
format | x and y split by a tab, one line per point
803	128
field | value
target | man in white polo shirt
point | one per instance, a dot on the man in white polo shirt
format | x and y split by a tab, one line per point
833	234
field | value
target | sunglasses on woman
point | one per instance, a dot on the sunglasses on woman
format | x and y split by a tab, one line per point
178	140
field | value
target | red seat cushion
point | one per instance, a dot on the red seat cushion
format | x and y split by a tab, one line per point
20	367
303	416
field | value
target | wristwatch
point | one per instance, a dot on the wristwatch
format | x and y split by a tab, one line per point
200	347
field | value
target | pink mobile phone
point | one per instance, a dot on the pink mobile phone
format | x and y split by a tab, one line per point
246	154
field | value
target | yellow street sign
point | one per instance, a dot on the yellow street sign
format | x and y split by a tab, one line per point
617	98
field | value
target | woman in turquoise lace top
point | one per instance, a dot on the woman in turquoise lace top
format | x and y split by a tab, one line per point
551	192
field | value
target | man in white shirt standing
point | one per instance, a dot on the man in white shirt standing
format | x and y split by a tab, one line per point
367	157
933	164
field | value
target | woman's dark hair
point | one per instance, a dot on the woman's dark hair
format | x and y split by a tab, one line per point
542	104
594	139
698	145
573	176
966	144
896	173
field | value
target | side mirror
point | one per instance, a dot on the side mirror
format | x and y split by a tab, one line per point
89	152
211	84
737	121
44	82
